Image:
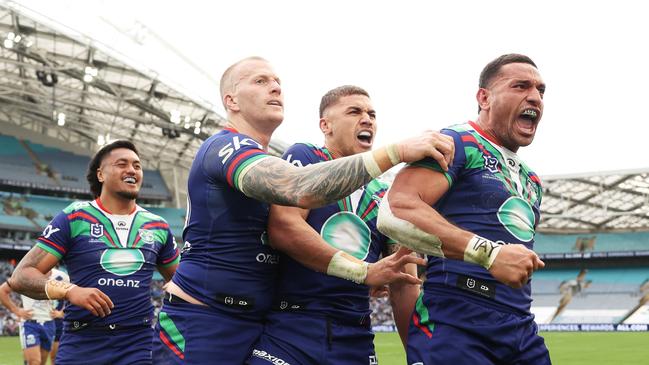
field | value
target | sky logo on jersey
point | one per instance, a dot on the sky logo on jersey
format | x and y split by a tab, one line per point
122	261
49	230
517	216
346	231
96	230
227	150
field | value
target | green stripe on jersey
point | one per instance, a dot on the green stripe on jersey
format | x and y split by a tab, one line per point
49	249
243	167
168	325
422	312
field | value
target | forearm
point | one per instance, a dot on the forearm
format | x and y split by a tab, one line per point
298	240
276	181
403	298
29	281
5	299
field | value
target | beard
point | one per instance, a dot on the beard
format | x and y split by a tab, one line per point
127	194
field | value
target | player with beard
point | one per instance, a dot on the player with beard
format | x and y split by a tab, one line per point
110	247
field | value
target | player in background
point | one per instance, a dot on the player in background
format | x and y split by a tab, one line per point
110	247
316	318
484	211
37	327
57	314
224	284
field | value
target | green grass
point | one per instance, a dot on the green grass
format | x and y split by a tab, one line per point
566	348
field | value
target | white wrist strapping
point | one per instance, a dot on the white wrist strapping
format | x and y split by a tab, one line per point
393	154
344	266
481	251
406	233
57	289
370	164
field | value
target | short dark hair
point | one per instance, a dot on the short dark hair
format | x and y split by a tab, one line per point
492	69
98	158
333	95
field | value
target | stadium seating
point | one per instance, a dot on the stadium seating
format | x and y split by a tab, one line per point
32	165
604	242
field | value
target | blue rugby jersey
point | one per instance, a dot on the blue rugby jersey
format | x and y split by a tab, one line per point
114	253
226	262
348	225
493	194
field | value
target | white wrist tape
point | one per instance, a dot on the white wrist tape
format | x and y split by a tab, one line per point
393	154
57	289
371	166
481	251
344	266
406	233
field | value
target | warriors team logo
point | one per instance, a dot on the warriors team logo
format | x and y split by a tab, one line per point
146	236
490	163
96	230
346	231
517	216
122	261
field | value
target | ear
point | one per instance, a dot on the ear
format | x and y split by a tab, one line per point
100	176
231	103
325	126
483	98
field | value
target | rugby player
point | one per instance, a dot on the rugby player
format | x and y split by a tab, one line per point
321	319
37	321
110	247
224	284
482	212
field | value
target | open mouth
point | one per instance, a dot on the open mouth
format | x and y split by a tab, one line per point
528	119
530	115
365	137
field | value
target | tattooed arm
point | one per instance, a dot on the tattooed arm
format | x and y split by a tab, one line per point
29	276
276	181
29	279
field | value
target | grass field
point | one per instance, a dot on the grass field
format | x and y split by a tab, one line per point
566	348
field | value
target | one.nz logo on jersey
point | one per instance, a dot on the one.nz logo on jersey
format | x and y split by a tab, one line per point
122	261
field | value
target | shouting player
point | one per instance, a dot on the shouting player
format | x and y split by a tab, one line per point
320	319
111	247
484	211
224	284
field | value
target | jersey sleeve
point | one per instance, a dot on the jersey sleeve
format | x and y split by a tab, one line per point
302	154
55	238
169	253
459	159
230	156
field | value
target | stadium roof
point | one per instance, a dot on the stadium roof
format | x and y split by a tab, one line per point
51	75
596	202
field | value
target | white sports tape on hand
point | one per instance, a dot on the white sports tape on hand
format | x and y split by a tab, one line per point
344	266
481	251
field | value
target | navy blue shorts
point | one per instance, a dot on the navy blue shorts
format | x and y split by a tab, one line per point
130	346
303	339
448	329
194	334
37	334
59	329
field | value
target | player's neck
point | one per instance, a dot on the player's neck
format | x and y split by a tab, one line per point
260	132
116	205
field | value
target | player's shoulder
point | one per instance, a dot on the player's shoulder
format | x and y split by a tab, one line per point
150	216
232	138
77	206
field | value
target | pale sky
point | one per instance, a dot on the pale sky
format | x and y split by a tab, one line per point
419	61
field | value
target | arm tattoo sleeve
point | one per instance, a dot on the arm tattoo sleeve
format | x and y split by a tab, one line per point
276	181
27	279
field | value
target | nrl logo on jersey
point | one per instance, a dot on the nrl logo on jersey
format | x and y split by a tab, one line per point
146	236
96	230
490	163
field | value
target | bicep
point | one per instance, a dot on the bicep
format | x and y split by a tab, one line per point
39	259
283	221
418	184
167	272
